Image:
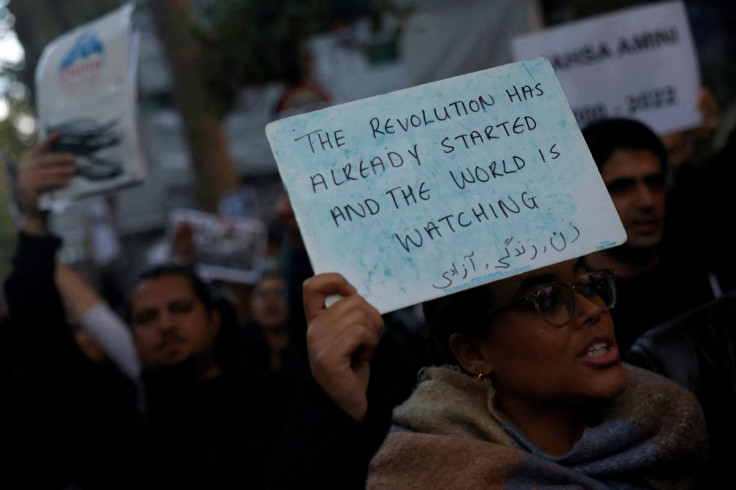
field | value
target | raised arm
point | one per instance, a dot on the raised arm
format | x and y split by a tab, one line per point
341	339
43	171
338	421
93	314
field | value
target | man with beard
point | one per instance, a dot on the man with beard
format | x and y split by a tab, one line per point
212	420
656	280
199	418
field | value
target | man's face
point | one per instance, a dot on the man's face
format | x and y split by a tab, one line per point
636	183
170	323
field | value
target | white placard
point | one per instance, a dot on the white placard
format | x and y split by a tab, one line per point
433	189
638	63
225	248
86	89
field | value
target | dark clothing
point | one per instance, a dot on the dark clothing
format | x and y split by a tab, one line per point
698	207
86	427
698	350
646	300
210	434
323	447
76	420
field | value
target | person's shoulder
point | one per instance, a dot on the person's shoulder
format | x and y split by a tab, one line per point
651	396
701	331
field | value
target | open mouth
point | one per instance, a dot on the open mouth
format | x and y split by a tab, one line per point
597	350
600	352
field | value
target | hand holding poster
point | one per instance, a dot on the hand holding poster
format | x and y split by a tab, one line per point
86	87
433	189
638	63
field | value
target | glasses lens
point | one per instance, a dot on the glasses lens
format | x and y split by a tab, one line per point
554	303
599	285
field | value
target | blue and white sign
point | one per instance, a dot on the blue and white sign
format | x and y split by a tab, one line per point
433	189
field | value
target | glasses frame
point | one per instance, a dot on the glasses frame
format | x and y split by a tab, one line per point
532	296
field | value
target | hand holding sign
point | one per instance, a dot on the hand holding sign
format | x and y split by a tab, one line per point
341	339
433	189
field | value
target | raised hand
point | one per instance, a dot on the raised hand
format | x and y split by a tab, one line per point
43	171
341	340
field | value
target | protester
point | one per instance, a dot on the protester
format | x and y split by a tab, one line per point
698	350
631	160
80	419
207	422
269	335
406	345
213	422
540	396
99	330
699	198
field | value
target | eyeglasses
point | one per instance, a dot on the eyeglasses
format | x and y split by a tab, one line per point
555	301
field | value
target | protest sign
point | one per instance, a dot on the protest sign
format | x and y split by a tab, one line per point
433	189
224	248
86	85
638	63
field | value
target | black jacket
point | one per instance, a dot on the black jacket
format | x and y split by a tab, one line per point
698	350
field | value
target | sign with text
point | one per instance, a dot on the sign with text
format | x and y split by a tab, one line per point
639	63
86	90
441	187
224	248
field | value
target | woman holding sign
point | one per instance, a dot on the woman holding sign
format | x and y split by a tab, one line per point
538	397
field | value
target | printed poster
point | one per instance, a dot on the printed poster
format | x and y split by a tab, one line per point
638	63
86	89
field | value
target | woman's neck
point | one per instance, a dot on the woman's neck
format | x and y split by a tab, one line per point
554	427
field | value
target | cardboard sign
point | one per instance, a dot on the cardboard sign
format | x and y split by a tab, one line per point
225	248
433	189
638	63
86	89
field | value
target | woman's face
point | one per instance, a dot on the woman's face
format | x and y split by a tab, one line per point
533	360
268	304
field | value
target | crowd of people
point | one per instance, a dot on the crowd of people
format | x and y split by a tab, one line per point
523	382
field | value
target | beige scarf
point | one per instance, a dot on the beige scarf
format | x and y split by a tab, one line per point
449	435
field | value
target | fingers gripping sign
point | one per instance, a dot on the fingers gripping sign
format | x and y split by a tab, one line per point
341	339
44	170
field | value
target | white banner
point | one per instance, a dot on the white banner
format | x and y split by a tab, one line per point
638	63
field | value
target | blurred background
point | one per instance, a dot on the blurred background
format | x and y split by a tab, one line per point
213	73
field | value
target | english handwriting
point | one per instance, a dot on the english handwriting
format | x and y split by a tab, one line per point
369	207
324	138
527	92
521	125
426	117
452	223
407	194
363	169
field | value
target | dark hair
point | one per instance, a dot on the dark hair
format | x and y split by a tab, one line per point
227	344
200	289
605	136
463	312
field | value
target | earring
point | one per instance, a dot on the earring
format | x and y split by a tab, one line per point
481	376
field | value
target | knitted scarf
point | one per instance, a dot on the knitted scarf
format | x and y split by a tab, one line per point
449	435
